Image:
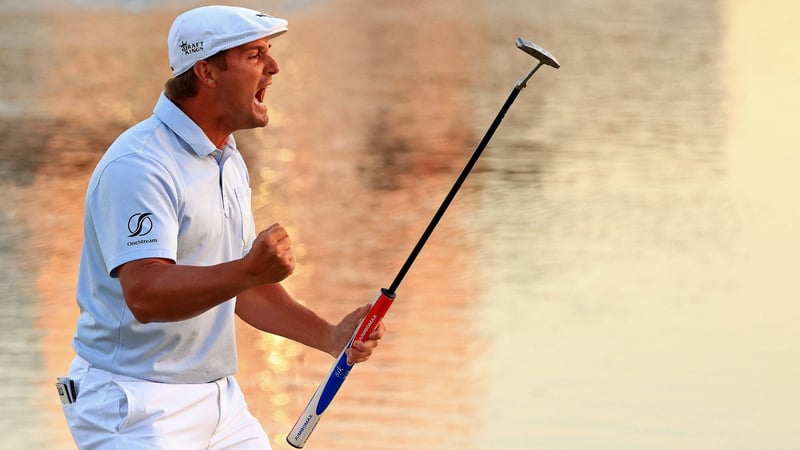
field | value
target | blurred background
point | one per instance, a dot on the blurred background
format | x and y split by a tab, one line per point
618	272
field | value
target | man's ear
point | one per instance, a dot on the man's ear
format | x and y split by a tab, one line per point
205	72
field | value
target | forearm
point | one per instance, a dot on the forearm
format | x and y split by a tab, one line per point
160	291
157	290
271	309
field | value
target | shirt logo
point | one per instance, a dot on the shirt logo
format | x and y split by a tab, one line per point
189	49
140	224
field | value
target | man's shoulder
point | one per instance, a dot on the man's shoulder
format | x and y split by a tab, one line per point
149	139
140	149
141	135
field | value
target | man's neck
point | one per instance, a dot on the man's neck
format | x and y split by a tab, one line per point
203	116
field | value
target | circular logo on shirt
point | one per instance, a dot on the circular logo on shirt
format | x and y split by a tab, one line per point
140	224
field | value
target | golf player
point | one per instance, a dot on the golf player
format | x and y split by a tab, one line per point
170	253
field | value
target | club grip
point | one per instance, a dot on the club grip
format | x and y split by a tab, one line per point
327	390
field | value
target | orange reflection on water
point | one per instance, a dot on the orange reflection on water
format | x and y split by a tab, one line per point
102	76
373	151
56	276
357	157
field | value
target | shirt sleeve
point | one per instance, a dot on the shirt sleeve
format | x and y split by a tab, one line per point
134	208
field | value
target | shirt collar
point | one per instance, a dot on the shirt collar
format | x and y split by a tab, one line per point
182	125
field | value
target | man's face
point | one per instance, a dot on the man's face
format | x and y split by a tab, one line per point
242	87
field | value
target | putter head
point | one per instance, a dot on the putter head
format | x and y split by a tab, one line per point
537	52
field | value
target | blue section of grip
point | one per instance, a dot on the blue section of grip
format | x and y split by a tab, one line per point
333	383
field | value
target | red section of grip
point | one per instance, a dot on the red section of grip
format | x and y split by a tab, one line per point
374	316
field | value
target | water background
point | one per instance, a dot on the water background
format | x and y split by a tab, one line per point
619	272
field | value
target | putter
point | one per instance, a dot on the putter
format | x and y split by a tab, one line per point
326	391
537	52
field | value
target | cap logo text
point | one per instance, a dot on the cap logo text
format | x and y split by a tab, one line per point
189	49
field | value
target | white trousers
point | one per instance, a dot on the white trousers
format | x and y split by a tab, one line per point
121	413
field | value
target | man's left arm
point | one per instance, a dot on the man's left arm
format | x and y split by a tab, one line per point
271	309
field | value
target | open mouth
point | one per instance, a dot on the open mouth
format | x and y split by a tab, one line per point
259	97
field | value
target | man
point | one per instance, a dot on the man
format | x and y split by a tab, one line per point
170	254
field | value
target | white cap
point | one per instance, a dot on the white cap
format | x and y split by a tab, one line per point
203	32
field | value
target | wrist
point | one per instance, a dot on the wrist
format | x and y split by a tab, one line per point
248	278
332	344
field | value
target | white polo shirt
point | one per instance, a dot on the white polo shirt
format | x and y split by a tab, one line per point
160	192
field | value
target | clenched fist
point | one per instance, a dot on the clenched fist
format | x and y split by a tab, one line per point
271	258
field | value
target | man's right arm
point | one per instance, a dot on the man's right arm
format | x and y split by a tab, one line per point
158	290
